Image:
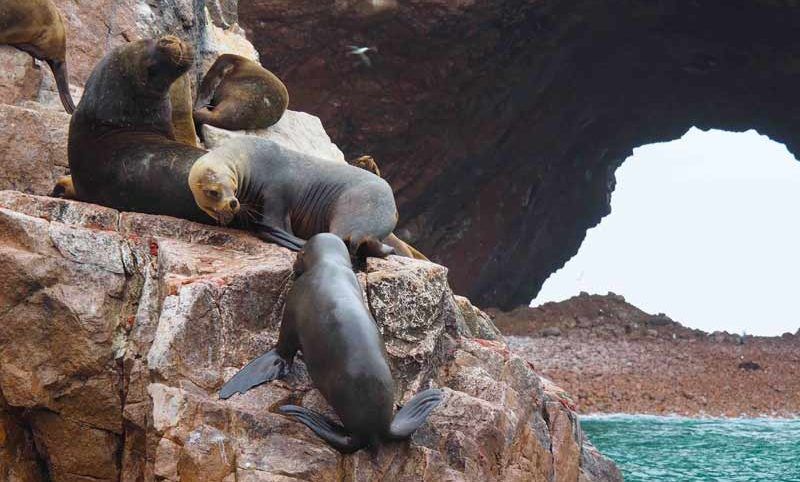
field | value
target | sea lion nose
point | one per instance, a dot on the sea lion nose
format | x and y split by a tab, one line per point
234	204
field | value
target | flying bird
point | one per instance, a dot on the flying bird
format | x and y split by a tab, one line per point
361	52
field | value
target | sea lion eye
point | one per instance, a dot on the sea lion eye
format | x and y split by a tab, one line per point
213	194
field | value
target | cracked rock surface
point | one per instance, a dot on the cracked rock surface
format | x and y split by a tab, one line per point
117	329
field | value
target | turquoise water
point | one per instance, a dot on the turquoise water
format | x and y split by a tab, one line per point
650	448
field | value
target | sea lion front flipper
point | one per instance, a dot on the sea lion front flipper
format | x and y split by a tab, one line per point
328	430
414	413
263	369
279	236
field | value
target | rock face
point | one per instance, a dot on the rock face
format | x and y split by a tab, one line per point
117	329
500	123
613	357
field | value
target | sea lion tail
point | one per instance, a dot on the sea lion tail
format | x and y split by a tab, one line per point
414	413
59	68
263	369
328	430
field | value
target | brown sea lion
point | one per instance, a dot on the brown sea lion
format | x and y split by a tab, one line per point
180	97
401	247
325	316
122	147
285	196
239	94
36	27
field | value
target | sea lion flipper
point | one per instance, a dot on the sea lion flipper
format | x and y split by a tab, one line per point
263	369
59	69
414	413
279	237
366	247
64	188
328	430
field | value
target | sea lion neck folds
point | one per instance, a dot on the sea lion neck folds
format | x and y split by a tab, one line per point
287	197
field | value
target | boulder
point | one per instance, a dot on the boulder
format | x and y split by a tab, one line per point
118	329
297	131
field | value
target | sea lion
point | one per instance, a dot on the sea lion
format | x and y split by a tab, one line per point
239	94
36	27
122	148
285	196
180	98
325	316
367	163
401	247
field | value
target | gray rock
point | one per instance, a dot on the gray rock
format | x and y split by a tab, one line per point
297	131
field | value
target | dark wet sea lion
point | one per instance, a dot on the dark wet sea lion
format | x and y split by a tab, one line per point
122	147
239	94
285	196
180	98
36	27
325	316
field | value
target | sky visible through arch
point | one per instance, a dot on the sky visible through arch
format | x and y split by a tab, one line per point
706	229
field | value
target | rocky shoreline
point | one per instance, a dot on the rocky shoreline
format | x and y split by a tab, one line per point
612	357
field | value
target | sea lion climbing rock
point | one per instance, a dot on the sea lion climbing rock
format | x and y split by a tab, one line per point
36	27
326	317
239	94
122	147
285	196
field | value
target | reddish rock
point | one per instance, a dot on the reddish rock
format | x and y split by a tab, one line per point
111	359
500	123
620	359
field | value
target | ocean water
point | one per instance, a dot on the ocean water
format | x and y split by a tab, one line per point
651	448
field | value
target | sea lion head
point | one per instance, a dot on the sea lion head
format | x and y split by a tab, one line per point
165	60
322	246
214	183
150	66
130	85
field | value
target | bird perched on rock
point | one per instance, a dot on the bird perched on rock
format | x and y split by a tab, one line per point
361	52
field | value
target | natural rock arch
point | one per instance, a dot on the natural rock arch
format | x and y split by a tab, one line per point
500	123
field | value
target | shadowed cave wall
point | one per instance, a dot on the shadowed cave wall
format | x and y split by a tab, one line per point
500	123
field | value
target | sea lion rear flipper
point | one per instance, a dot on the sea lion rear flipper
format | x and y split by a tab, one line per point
279	237
61	75
328	430
265	368
366	247
414	413
64	188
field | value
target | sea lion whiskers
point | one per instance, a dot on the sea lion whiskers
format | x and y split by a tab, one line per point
214	187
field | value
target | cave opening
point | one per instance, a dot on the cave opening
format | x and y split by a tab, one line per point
702	228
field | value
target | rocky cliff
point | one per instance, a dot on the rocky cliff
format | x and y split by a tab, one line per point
500	122
117	329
